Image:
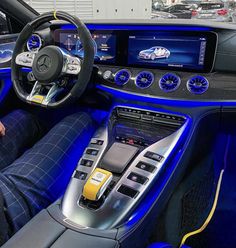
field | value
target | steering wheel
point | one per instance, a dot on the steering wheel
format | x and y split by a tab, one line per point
51	64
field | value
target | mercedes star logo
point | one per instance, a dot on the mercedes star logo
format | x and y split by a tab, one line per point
44	63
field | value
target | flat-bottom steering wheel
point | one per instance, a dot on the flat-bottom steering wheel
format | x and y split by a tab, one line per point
52	63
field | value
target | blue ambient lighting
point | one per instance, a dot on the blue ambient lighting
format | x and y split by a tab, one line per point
139	27
149	99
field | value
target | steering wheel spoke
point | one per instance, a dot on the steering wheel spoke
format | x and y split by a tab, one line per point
72	65
25	59
36	95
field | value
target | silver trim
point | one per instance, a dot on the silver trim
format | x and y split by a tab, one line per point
128	71
107	75
40	43
195	93
47	99
153	78
71	64
25	59
214	59
117	207
177	86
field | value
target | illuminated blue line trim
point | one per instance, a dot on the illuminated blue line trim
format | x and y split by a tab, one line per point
140	27
5	89
8	70
148	99
5	70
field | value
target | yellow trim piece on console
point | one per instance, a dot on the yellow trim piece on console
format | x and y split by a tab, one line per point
186	236
95	183
37	98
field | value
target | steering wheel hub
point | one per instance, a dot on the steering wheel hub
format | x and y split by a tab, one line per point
48	64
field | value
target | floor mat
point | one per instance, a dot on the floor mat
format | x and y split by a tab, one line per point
221	231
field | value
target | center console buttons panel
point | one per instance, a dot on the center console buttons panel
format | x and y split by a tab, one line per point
132	183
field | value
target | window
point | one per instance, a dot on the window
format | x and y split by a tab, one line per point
3	24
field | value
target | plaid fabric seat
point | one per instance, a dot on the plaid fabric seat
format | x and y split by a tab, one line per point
22	130
41	174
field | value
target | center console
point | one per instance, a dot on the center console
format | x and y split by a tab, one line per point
123	160
118	187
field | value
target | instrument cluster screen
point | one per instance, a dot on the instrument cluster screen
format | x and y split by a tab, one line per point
104	45
167	50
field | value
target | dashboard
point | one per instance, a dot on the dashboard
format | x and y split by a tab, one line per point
169	60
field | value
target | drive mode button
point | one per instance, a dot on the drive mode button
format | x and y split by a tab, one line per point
137	178
154	156
145	167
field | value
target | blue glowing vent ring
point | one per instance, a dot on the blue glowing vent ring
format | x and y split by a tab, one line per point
169	82
122	77
144	79
197	85
34	43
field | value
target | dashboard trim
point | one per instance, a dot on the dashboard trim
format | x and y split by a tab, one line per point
161	100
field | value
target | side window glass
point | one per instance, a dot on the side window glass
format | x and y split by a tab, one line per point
3	24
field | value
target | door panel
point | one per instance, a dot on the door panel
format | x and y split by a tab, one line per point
7	44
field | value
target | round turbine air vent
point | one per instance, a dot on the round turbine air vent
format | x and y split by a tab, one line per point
34	43
122	77
169	82
144	79
197	85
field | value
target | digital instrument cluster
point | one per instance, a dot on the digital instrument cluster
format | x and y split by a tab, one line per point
104	45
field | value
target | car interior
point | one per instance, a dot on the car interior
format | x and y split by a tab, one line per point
159	169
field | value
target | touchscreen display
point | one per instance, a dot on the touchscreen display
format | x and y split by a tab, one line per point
163	50
105	46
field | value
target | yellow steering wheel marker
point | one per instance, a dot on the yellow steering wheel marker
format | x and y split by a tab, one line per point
38	99
97	184
55	15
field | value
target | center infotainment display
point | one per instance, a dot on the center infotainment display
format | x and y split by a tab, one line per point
167	50
105	46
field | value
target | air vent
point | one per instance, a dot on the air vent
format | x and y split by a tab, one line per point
122	77
144	79
34	43
169	82
197	85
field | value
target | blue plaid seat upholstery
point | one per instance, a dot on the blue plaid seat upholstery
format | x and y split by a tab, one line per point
22	130
41	174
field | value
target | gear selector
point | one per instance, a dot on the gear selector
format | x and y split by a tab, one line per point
97	184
